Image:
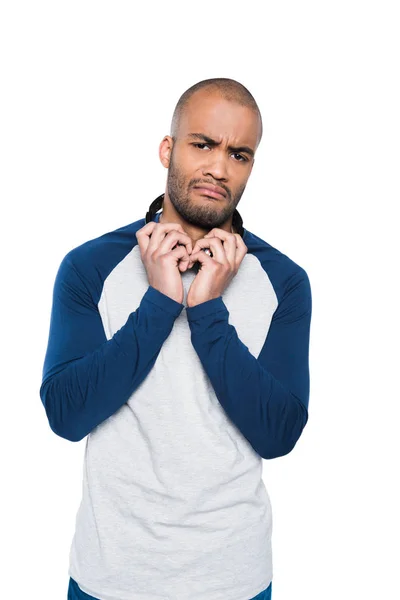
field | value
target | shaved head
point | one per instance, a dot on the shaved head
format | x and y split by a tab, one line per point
228	89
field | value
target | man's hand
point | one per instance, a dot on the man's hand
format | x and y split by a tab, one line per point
215	272
164	248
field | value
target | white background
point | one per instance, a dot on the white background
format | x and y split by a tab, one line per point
88	91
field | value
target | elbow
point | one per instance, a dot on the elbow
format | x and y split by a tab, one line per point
66	433
282	441
59	423
277	449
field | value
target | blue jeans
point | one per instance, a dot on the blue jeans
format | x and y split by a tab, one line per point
75	593
264	595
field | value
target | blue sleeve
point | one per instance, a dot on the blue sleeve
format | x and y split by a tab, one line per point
265	397
86	377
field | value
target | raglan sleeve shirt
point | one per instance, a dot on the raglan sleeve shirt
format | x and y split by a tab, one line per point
86	377
267	396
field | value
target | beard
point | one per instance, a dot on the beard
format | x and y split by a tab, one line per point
206	215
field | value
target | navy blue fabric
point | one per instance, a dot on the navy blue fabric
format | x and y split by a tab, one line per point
87	378
276	384
75	593
264	595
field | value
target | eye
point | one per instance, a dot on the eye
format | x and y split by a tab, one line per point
244	159
199	144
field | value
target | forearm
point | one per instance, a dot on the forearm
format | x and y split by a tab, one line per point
269	415
90	389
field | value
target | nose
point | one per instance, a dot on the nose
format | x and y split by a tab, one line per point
216	166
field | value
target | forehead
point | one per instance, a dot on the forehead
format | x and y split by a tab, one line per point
209	113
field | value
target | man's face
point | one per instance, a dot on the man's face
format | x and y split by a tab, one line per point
195	160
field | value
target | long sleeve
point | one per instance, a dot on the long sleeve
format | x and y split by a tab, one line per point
86	377
265	397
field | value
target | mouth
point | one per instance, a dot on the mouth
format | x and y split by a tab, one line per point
211	191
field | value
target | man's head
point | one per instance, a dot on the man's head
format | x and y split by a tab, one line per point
215	130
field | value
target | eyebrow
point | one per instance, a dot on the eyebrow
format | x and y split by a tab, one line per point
205	138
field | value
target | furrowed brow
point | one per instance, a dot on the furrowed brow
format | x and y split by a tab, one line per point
208	140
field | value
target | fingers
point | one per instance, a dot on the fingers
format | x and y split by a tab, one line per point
224	235
200	257
175	239
143	236
215	246
181	253
155	235
224	245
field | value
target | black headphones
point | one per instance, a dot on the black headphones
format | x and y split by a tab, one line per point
156	205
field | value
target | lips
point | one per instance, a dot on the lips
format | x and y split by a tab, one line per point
211	190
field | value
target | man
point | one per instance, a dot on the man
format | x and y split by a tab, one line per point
180	406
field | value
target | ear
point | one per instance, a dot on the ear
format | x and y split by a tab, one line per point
165	150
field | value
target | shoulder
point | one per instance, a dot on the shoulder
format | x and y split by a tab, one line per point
283	272
91	262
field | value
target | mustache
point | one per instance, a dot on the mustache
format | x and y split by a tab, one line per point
198	183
